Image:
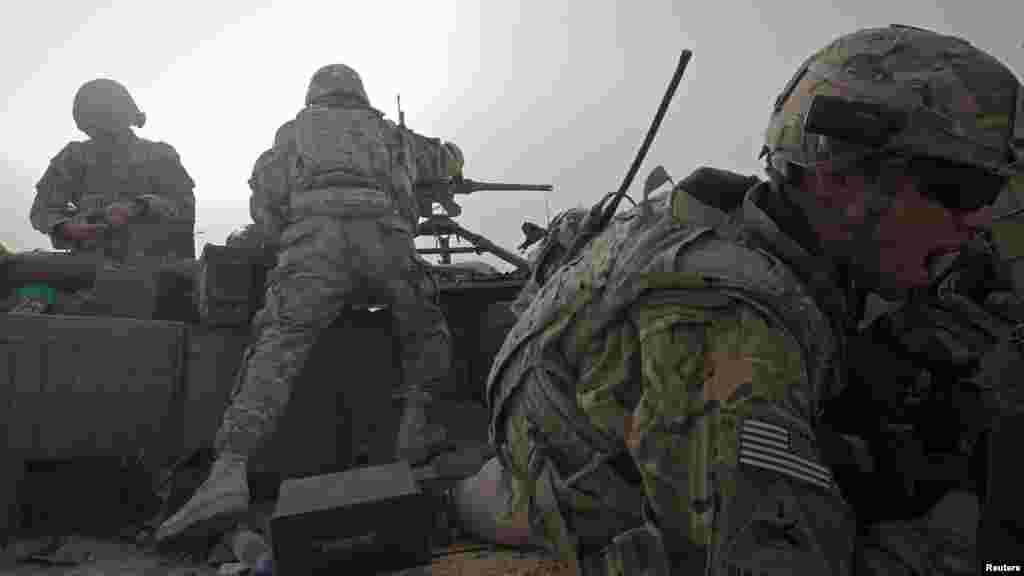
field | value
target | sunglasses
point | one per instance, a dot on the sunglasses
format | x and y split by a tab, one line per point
952	185
853	134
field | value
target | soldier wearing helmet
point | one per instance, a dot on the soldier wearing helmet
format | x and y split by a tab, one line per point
339	188
115	192
662	406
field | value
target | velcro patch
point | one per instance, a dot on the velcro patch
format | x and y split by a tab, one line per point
770	447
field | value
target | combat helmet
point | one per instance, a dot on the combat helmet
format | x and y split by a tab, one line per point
106	106
455	160
336	82
952	111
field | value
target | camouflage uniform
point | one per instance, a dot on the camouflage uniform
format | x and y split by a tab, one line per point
657	406
346	239
694	337
334	255
115	165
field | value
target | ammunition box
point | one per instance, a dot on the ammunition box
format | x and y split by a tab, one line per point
364	521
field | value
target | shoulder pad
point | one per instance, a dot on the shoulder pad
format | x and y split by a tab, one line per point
71	157
163	150
717	188
75	151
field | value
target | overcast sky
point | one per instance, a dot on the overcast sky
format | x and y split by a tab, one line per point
540	91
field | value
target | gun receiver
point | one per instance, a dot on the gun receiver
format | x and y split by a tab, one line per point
444	226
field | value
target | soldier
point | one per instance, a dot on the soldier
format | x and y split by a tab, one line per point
116	192
348	218
657	405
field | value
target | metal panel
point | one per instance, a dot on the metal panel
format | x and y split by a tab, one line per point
341	402
82	387
214	356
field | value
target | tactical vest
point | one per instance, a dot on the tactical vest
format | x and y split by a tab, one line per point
120	174
601	284
343	163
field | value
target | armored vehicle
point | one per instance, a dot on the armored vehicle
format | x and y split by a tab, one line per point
115	376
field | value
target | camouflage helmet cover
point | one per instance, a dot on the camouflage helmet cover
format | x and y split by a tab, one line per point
961	103
455	160
336	80
105	105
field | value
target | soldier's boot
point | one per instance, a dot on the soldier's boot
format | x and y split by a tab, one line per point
223	496
418	441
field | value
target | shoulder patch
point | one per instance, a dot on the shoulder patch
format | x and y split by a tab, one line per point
780	449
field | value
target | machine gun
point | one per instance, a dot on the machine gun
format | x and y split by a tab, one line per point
443	227
444	192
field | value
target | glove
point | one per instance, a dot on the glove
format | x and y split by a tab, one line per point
80	231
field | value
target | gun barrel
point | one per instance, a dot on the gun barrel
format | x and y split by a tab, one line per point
471	186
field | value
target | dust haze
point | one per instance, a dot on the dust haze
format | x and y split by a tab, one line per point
546	91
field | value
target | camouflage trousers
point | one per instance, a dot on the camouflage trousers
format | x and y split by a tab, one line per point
326	265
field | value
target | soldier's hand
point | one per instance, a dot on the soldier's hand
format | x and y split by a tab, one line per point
80	231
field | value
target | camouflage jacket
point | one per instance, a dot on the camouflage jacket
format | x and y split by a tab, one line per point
657	341
91	176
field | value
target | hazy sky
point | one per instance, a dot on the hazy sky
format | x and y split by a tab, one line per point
542	91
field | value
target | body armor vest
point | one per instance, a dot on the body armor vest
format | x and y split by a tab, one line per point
119	173
342	163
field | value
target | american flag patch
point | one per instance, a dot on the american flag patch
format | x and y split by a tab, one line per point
770	447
